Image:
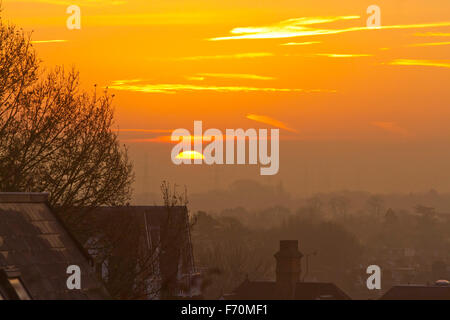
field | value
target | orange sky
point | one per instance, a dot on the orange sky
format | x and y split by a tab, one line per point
310	66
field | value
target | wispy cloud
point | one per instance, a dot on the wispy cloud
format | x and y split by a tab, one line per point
205	138
391	127
270	121
343	55
429	44
432	34
229	56
236	76
174	88
424	63
47	41
159	139
295	27
301	27
144	130
300	43
128	81
195	78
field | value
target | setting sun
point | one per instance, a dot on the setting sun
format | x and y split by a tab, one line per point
190	155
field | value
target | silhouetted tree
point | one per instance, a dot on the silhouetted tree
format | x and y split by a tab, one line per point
54	137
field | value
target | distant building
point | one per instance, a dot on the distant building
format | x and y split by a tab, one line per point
151	256
439	291
36	250
287	285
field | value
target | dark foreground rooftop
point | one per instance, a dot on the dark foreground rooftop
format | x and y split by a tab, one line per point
268	290
287	285
36	250
417	292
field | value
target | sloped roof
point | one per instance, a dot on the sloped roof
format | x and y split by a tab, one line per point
413	292
267	290
34	242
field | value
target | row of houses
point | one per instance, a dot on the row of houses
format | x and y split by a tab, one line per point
135	252
127	252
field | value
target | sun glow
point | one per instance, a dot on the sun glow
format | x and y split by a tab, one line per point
190	155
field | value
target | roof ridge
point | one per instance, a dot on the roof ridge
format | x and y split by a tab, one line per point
23	197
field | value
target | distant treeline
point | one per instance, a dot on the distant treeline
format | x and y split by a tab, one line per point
341	233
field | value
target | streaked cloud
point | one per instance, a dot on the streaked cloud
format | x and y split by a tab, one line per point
174	88
144	130
424	63
224	137
343	55
391	127
195	78
429	44
295	27
47	41
159	139
300	43
270	121
236	76
128	81
432	34
301	27
229	56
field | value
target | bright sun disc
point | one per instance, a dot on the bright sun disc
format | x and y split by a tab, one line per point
190	155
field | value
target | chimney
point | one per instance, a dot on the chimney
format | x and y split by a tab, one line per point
288	267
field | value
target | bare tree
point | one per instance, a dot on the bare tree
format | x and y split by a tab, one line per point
56	138
18	72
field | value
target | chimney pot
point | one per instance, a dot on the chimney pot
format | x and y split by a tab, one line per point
288	268
288	261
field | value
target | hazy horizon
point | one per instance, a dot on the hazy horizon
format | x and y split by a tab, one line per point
359	109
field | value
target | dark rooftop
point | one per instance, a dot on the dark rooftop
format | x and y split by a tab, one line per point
267	290
417	292
36	248
23	197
